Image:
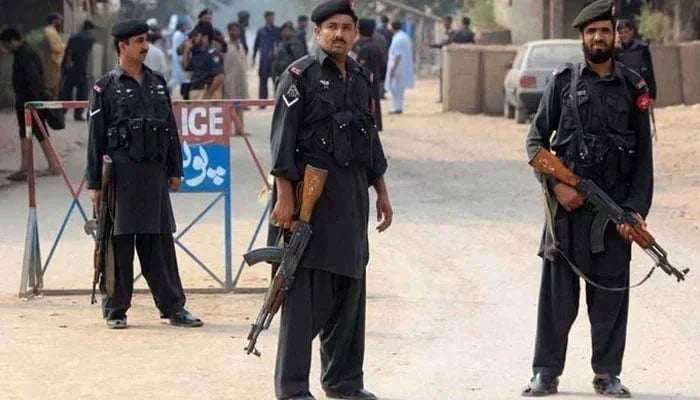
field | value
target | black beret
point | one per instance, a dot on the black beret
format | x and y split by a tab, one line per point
330	8
599	10
130	28
366	26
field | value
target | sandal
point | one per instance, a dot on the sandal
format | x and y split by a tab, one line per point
117	323
541	385
610	386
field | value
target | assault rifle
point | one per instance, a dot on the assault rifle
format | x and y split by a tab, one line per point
101	227
547	163
287	257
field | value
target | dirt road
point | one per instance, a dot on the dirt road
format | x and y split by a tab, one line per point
452	285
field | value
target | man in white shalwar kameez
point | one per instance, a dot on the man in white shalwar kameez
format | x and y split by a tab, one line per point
399	71
236	69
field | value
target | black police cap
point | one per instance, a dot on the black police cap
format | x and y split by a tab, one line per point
330	8
130	28
599	10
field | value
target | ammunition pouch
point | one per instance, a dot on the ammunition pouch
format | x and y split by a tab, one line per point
145	139
341	137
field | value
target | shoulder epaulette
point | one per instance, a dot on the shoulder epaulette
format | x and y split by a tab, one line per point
562	67
298	67
102	83
633	78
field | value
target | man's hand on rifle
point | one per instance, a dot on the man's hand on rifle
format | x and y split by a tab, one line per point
627	231
283	213
568	197
174	183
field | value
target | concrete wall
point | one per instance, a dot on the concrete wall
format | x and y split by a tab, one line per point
461	78
473	78
495	62
667	70
690	71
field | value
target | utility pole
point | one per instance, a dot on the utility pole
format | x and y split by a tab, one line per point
556	19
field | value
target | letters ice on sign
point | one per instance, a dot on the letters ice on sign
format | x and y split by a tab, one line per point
205	149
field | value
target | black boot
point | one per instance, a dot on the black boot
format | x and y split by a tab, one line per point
541	385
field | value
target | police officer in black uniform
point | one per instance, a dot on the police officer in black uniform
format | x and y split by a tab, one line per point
635	54
598	109
323	117
130	119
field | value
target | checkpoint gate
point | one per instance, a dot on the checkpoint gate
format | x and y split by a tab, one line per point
205	131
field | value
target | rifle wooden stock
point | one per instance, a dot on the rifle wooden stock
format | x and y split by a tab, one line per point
547	163
314	181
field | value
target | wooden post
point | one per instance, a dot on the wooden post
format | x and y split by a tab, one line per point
556	19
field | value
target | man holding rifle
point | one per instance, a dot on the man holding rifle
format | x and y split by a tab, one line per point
323	117
599	110
131	121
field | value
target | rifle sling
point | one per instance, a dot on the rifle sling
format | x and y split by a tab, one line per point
550	224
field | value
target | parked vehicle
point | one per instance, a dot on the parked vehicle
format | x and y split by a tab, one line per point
530	71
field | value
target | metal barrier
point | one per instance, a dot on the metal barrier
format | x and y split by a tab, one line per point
206	166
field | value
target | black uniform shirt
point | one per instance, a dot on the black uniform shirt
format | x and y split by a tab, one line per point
27	76
118	102
310	95
617	129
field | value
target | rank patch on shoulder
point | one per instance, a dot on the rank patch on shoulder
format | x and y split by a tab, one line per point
641	83
291	96
296	71
97	89
644	102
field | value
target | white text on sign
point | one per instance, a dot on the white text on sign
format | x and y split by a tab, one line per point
202	121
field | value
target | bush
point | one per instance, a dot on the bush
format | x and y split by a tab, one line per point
481	13
654	26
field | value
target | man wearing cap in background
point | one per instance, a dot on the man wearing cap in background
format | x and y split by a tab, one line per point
131	121
370	56
321	99
74	66
265	41
302	23
635	54
203	58
599	110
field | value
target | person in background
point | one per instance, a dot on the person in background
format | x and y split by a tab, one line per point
155	59
464	35
302	24
74	66
635	54
286	51
244	21
28	85
370	56
53	54
207	15
265	41
203	58
384	30
176	72
399	72
235	68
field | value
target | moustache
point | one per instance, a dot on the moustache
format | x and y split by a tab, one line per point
144	51
341	41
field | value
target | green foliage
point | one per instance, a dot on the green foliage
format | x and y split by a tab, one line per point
654	26
481	13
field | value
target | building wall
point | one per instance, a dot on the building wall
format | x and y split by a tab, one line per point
524	18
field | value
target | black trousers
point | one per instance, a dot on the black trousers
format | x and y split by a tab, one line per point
159	267
557	310
79	83
333	307
262	90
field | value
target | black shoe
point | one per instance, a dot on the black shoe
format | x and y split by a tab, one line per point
117	323
359	394
610	386
541	385
185	319
78	118
396	112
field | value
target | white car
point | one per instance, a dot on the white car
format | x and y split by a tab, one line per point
531	70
